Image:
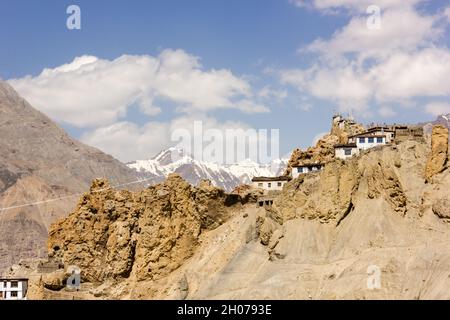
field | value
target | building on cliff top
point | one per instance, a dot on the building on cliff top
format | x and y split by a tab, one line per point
13	288
346	150
306	168
270	183
377	135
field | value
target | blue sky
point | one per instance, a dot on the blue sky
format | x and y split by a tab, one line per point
267	47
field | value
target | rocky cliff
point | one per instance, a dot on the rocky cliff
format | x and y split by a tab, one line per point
322	238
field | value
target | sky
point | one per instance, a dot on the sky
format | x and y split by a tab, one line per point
137	71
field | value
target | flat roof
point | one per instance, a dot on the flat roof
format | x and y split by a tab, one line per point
308	165
346	145
269	179
368	135
385	129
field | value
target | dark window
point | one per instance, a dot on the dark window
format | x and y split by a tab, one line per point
14	284
379	140
348	152
370	140
279	184
13	294
269	185
299	170
362	140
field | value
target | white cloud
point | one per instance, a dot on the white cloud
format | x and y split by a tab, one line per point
447	13
344	86
403	76
267	92
357	67
395	33
437	108
387	112
128	141
91	92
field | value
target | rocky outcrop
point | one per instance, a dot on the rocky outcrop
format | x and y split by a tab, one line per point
143	235
323	151
248	193
438	157
441	208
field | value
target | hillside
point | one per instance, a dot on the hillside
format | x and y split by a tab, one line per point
320	238
38	162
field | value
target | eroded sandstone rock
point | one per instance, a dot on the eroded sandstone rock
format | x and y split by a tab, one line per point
437	160
144	235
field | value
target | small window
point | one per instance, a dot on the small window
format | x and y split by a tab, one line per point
13	294
348	152
300	170
362	140
260	184
14	284
379	140
269	185
371	140
279	184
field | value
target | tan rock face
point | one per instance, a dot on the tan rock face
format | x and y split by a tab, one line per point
439	152
442	208
325	196
144	235
318	241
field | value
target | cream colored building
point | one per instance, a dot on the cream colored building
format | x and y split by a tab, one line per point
270	183
345	151
306	168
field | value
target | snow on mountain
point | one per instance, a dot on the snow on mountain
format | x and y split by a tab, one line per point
224	176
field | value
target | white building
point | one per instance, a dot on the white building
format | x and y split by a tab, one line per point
306	168
367	140
270	183
388	132
345	151
13	289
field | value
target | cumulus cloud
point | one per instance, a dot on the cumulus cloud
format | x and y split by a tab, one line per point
425	73
358	66
90	92
437	108
395	33
345	86
128	141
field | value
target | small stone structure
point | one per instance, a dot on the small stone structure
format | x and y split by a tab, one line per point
265	201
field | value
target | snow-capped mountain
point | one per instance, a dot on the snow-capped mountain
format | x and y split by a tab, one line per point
225	176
